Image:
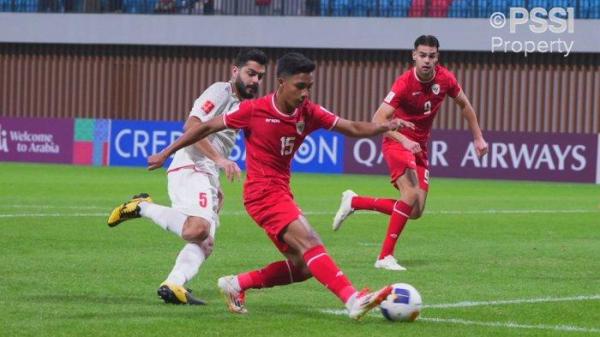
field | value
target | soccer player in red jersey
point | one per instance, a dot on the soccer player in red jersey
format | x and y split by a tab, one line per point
274	128
416	96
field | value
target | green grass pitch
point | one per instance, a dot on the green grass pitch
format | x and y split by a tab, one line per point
490	258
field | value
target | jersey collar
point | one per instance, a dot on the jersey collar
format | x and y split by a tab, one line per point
418	79
281	113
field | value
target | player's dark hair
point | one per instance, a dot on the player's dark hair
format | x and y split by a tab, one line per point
294	63
427	40
250	54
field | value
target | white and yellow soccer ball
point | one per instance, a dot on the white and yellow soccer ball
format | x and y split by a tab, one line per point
403	304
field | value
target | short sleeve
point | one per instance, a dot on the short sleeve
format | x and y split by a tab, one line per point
393	97
210	102
453	86
323	118
239	118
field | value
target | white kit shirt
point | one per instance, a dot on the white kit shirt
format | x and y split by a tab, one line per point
217	100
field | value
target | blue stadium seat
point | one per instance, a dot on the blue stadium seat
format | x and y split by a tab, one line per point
460	9
23	5
482	9
141	6
538	3
516	3
397	8
362	8
594	10
5	5
335	8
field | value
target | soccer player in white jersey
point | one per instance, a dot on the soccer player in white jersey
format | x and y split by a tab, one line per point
193	178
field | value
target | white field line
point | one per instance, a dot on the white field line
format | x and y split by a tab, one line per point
516	301
243	213
465	304
511	325
497	324
49	215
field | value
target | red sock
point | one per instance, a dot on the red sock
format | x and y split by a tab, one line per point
373	204
276	274
398	219
323	268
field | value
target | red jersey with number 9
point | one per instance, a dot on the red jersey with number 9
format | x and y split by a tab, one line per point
418	102
273	137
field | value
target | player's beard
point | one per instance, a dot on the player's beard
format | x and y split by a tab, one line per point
242	89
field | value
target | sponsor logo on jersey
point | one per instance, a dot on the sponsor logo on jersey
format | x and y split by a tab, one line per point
208	106
300	127
435	88
389	97
416	93
272	120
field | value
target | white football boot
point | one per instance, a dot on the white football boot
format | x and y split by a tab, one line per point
363	301
345	209
234	297
389	263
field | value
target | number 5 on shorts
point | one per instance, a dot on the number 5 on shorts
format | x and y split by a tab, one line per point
202	199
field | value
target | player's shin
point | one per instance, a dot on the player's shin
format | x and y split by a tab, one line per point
324	269
398	219
188	262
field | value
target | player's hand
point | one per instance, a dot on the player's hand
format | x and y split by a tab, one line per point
156	161
232	170
398	123
481	147
411	146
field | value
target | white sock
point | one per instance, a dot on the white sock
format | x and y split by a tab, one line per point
166	217
188	262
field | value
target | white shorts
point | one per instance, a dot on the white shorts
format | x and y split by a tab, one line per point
195	193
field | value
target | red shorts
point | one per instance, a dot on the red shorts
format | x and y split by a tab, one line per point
272	207
398	159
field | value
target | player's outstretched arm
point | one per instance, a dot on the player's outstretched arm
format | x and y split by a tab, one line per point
368	129
204	146
195	132
385	113
469	115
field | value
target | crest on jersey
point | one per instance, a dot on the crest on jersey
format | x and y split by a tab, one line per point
300	127
435	88
208	106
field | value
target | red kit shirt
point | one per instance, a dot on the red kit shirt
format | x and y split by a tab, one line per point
272	137
418	102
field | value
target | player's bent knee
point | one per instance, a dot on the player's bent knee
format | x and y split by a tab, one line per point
207	246
195	229
416	213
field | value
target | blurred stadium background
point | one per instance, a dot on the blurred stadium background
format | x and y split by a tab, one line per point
60	60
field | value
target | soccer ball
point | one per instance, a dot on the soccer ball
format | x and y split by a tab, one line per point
403	304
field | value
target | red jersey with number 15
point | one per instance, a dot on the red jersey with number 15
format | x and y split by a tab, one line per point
418	102
273	137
